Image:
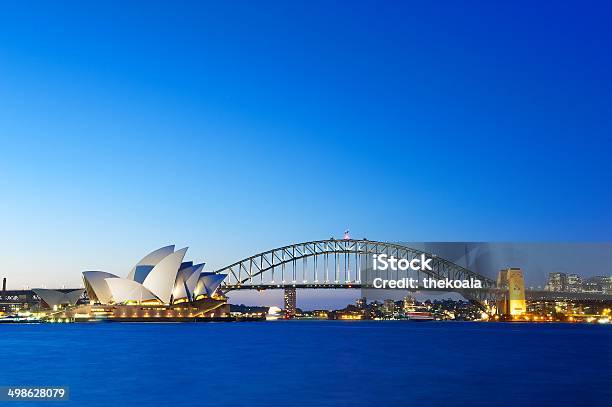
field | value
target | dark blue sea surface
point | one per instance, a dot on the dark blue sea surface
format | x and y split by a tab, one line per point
312	363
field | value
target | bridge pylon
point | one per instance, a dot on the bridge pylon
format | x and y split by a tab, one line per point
512	300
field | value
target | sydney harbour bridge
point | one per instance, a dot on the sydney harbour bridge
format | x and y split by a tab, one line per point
347	264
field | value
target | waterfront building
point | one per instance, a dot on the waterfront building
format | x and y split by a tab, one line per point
409	303
290	299
361	303
13	301
389	307
161	277
161	286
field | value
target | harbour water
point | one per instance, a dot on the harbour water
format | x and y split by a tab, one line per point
312	363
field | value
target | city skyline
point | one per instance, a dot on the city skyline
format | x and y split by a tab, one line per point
562	267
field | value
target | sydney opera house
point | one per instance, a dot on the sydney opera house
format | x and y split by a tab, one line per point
161	286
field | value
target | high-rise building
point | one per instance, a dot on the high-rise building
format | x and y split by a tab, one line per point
389	307
512	280
361	302
606	284
594	285
574	283
557	282
409	303
290	303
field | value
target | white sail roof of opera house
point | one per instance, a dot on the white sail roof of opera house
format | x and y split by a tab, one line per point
161	275
160	280
96	286
56	298
124	290
140	271
186	281
208	283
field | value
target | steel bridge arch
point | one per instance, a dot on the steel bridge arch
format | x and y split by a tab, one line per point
249	273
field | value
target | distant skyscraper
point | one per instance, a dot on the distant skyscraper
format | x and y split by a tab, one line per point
347	236
290	303
607	284
574	283
557	282
595	285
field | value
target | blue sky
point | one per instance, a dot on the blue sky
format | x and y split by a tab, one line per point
236	127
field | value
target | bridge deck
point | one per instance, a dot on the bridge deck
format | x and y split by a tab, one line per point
529	294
